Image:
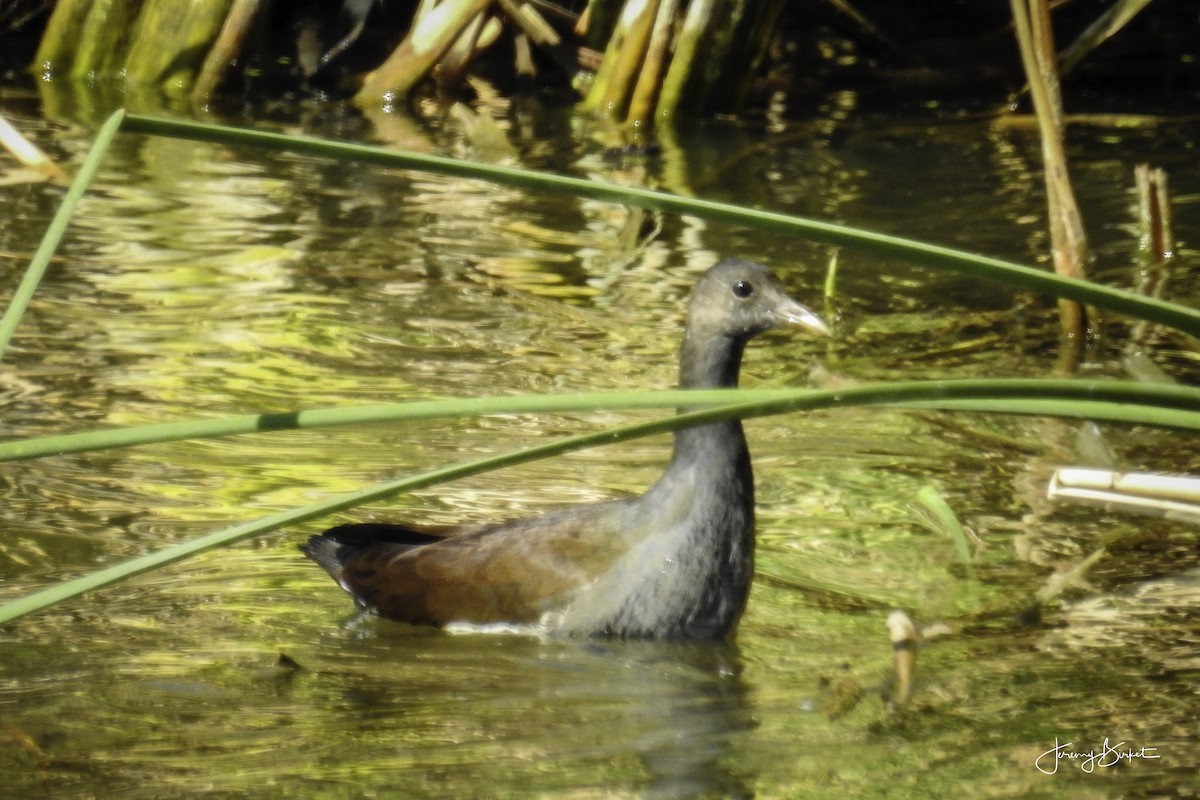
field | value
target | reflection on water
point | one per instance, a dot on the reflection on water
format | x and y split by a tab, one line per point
425	715
661	720
200	280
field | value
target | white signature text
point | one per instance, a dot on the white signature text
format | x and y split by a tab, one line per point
1104	756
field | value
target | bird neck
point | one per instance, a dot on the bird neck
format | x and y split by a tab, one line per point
702	508
710	362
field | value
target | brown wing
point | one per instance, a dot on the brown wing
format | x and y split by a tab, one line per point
513	572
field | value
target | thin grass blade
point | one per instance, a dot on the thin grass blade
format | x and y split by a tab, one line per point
56	229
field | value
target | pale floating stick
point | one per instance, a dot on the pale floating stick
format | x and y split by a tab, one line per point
25	151
1174	497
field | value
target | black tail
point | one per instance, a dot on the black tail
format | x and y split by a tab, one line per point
336	547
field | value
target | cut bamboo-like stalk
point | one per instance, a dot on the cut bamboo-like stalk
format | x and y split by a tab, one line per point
104	39
436	28
1156	217
626	47
1150	485
695	25
169	41
60	41
645	92
527	18
225	49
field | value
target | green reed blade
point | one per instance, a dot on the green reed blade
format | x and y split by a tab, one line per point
1118	401
1185	407
936	256
56	229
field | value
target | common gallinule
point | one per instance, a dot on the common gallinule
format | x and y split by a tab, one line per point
674	563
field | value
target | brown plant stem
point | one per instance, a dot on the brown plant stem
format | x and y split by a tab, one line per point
1068	241
225	49
1156	244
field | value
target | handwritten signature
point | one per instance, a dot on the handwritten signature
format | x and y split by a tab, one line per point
1105	756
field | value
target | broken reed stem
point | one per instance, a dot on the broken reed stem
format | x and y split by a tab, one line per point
1157	222
1031	19
225	50
1156	239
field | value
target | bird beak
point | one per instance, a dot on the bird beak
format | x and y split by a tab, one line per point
792	313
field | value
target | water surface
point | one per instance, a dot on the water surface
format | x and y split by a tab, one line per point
200	280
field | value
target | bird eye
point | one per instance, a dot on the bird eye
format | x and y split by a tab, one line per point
743	289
